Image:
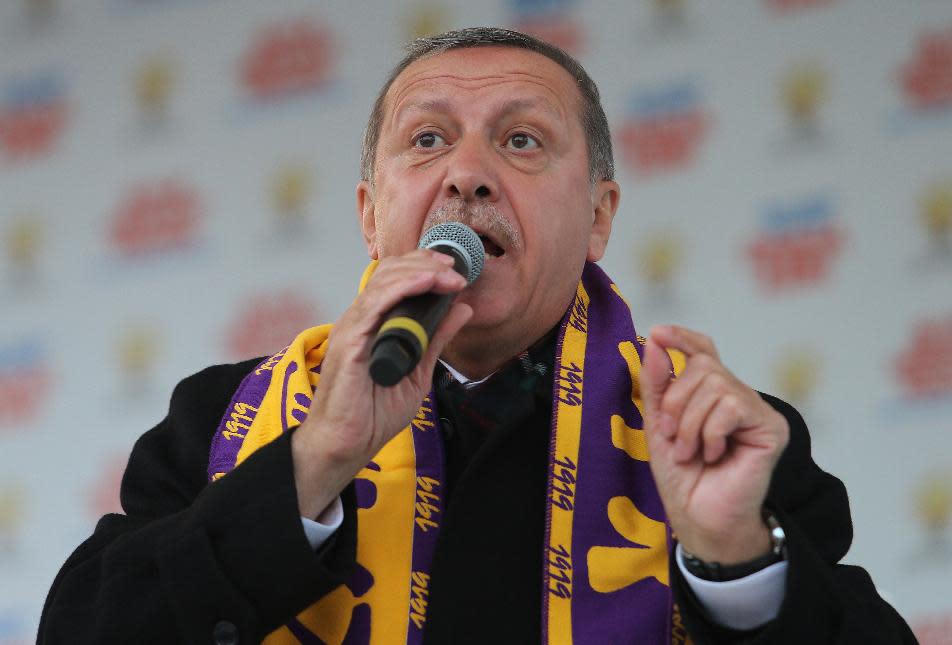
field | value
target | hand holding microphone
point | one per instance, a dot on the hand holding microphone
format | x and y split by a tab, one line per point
407	328
353	415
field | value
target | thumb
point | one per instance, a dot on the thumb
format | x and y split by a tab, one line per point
656	375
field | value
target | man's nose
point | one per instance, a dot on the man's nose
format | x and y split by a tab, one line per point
470	175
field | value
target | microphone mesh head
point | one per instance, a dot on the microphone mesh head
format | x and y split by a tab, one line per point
461	238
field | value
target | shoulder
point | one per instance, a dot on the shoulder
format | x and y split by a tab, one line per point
167	466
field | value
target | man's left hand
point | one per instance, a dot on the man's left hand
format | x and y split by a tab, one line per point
713	443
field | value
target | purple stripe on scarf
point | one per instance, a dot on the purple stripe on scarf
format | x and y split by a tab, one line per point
292	368
605	472
428	513
225	446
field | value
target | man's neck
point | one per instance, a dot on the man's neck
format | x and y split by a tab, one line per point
478	360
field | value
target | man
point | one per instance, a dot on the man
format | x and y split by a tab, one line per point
540	510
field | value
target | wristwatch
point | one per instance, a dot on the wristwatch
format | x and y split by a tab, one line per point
717	572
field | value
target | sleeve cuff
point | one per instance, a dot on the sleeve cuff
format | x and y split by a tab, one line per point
318	531
743	604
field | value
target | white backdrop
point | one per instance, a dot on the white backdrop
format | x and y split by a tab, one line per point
176	190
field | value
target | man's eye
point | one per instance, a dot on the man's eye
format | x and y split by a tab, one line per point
429	140
522	141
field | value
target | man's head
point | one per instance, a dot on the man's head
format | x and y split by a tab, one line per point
600	159
493	134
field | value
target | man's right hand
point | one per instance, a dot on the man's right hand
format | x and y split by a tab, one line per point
352	417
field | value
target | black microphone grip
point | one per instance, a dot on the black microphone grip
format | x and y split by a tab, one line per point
408	328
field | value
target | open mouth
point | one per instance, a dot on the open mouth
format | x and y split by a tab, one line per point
491	247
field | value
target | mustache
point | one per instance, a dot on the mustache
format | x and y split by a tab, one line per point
483	216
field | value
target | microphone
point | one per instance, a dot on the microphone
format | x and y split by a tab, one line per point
405	334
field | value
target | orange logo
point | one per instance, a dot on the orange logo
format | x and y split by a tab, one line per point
155	217
24	383
287	57
104	491
33	115
926	80
268	322
664	128
924	367
934	629
550	20
799	244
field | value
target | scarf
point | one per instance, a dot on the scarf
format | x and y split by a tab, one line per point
607	539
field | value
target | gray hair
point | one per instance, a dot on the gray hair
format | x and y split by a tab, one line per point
597	136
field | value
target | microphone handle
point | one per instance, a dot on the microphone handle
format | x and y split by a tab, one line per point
405	335
408	327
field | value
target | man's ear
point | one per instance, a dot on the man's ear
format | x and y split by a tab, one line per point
605	201
367	216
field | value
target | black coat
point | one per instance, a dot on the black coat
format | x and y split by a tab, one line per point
192	563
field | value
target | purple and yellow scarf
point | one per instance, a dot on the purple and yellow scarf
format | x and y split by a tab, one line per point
606	535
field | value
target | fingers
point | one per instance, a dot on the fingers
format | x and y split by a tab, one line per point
655	377
688	341
694	416
700	410
396	278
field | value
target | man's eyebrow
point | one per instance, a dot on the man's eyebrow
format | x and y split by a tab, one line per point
433	105
520	105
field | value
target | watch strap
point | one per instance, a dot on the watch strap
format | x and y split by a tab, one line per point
718	572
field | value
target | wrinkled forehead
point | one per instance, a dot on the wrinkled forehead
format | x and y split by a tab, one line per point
470	68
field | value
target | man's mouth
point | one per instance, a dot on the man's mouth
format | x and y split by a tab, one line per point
491	247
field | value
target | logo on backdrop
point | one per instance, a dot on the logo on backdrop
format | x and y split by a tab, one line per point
803	91
664	128
23	241
11	519
924	367
926	78
137	349
156	217
798	244
267	322
103	493
33	115
933	629
933	507
154	85
426	19
291	190
784	6
287	58
25	378
796	373
658	258
554	21
935	208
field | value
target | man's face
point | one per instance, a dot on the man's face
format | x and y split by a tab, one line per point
491	136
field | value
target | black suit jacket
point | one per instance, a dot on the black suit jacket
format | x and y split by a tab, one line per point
192	563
